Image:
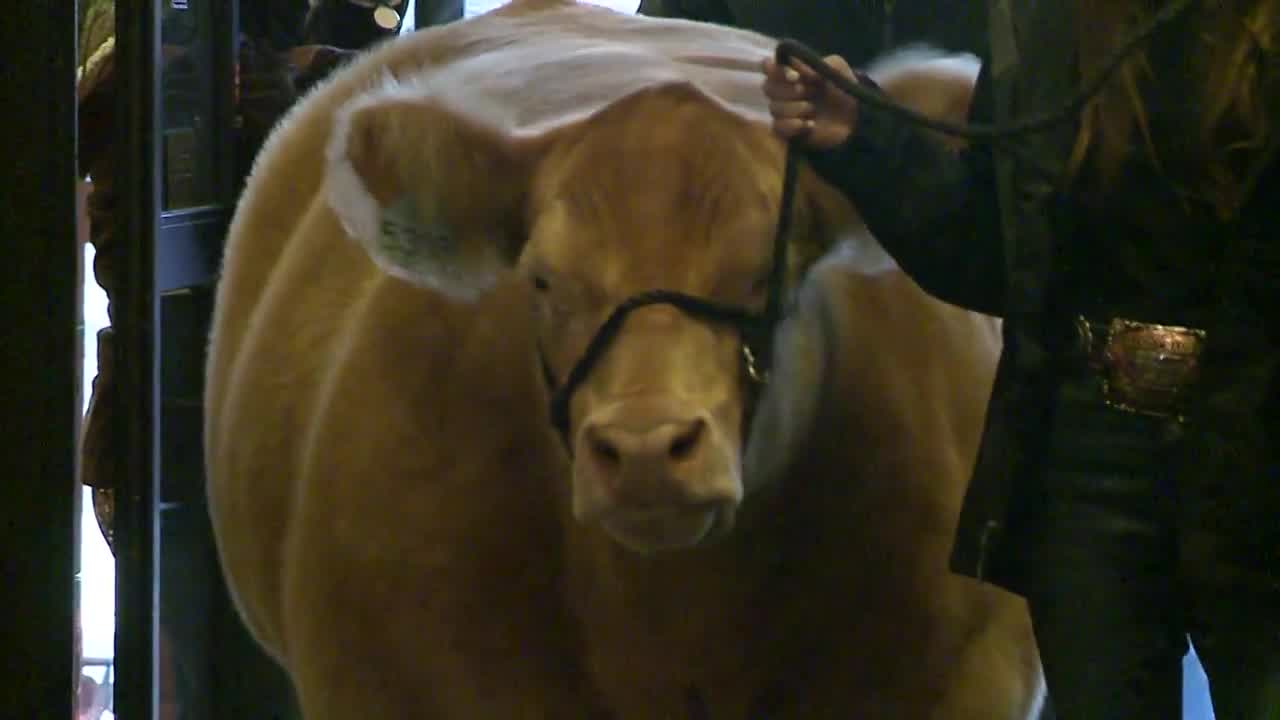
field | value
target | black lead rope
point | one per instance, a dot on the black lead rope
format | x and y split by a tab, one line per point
756	329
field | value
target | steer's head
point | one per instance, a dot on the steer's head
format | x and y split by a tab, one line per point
664	188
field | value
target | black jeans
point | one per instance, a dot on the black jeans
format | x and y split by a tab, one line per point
1125	567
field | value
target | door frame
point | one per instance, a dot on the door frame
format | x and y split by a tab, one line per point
40	360
135	321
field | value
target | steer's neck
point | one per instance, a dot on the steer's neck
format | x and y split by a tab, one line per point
705	617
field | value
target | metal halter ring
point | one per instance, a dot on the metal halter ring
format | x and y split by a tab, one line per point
753	370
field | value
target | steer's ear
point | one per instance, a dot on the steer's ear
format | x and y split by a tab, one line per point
434	196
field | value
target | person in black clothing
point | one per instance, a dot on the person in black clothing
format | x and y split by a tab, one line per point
353	24
359	24
1128	483
857	30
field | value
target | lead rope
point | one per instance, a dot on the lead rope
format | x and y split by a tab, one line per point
774	307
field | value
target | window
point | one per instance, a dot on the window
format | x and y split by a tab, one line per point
97	564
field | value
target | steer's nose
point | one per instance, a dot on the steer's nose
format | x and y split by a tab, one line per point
655	464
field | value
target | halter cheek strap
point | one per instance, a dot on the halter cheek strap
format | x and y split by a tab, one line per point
756	330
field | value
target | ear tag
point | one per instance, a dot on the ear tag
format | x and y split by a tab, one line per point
409	244
431	254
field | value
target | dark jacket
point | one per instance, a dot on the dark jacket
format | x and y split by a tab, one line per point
985	232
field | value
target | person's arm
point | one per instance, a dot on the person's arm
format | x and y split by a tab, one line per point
934	210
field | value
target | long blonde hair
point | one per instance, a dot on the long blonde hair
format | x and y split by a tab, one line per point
1233	73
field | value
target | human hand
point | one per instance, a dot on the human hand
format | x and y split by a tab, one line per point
806	105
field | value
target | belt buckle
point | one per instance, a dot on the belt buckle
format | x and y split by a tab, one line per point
1148	368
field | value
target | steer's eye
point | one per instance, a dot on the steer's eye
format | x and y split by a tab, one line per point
540	283
760	285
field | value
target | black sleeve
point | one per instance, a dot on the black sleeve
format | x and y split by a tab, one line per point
934	210
712	11
429	13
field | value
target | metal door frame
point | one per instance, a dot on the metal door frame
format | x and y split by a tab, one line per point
136	540
167	249
40	360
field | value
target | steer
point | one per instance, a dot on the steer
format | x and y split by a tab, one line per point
744	505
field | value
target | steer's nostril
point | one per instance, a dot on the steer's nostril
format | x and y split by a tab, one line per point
610	447
683	444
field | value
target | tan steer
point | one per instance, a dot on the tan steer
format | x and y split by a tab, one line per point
425	249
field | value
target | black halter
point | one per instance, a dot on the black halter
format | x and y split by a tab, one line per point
756	329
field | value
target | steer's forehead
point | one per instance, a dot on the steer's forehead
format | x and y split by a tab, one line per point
666	185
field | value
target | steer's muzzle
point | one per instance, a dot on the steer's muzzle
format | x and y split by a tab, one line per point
655	476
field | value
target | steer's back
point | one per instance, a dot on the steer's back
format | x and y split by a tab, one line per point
352	466
295	290
289	293
297	295
364	566
288	282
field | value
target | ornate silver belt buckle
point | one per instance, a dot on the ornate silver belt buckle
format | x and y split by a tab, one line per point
1149	368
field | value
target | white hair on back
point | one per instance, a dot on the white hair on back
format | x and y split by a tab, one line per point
921	56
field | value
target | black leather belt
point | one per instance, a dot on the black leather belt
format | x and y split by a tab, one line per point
1143	368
